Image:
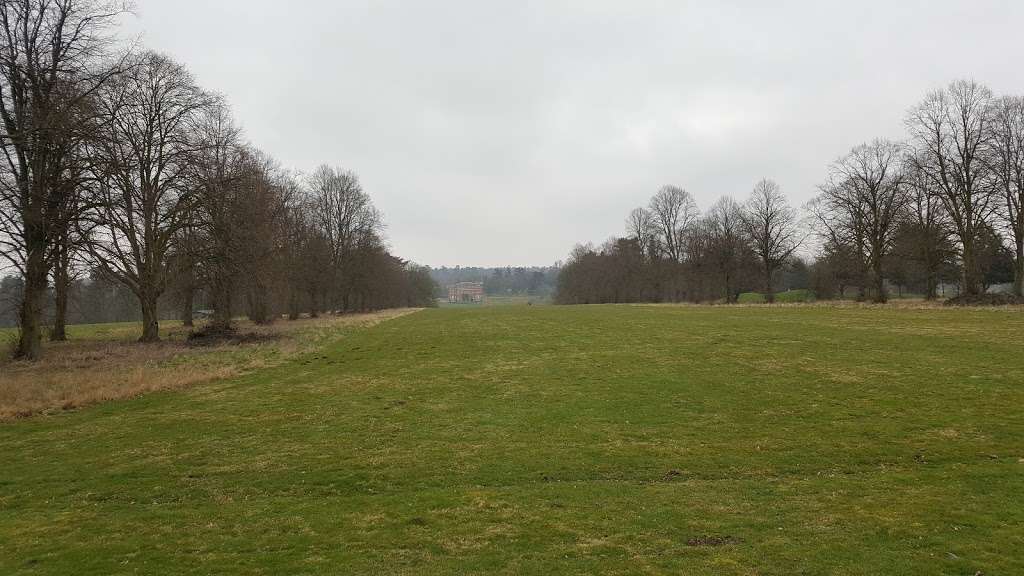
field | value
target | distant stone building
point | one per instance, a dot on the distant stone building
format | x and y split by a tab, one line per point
466	292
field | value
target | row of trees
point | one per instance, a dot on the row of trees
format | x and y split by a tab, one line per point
119	164
91	299
943	206
672	253
951	195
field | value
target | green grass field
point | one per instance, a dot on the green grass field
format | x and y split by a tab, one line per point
554	440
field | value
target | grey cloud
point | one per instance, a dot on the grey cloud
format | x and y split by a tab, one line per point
502	133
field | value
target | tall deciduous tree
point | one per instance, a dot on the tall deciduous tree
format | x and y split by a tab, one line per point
728	246
771	226
52	61
640	227
672	211
346	217
218	174
146	150
866	195
926	229
1006	157
68	245
951	132
261	214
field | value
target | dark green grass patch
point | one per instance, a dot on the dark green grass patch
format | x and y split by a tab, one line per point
544	440
787	297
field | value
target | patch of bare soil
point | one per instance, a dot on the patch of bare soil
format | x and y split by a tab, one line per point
712	541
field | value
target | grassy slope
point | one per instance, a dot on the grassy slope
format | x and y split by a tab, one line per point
554	440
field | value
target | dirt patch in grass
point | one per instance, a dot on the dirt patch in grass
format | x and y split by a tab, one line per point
672	475
106	363
712	541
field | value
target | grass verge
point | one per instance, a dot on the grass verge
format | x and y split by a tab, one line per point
103	362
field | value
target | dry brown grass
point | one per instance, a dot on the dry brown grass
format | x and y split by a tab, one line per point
104	362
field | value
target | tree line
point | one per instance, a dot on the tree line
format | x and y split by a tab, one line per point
944	205
672	253
538	281
117	165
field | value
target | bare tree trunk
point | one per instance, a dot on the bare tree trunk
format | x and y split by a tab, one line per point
187	304
1018	268
221	306
293	304
931	289
769	293
30	314
259	311
931	279
150	324
61	285
969	273
60	314
876	272
314	309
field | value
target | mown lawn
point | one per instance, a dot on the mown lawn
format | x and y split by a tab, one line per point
554	440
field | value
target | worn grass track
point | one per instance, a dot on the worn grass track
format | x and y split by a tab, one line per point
540	440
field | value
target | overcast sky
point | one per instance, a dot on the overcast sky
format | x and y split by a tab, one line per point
503	133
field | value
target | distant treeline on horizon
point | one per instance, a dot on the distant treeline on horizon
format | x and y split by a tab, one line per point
537	281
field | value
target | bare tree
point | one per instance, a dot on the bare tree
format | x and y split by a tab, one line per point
672	210
183	262
1006	157
771	226
69	243
309	257
844	243
51	63
261	213
305	254
145	152
865	198
928	228
640	227
728	247
218	174
951	132
347	218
